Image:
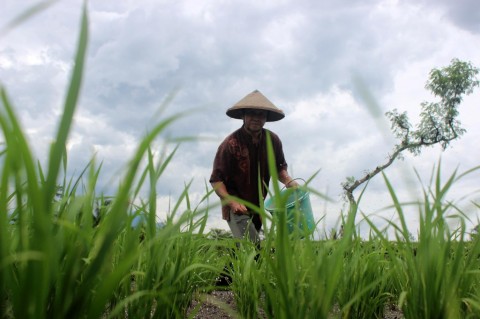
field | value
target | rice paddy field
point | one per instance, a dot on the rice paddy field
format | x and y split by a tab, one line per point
68	252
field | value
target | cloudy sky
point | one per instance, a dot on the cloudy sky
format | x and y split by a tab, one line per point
307	57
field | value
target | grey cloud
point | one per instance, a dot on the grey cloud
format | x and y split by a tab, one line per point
463	13
199	56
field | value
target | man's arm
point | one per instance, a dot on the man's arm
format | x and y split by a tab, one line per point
286	180
221	191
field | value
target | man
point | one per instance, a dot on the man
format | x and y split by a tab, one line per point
242	158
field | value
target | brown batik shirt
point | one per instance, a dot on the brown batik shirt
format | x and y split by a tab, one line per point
238	161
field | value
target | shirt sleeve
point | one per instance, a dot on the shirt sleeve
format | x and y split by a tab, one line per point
278	150
219	171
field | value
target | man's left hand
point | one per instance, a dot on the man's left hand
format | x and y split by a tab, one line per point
293	183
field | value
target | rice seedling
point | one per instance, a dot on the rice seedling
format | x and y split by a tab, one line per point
245	273
364	290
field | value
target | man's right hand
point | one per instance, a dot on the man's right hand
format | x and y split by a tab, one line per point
238	208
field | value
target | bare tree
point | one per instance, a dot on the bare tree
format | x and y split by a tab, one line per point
438	120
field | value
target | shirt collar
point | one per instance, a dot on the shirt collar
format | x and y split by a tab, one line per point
247	135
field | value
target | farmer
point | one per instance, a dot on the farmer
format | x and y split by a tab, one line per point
242	158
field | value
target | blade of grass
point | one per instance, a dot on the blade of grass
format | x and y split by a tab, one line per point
58	148
27	14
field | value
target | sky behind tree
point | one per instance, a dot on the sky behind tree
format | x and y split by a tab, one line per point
308	57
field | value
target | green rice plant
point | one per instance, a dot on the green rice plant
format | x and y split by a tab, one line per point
29	273
300	277
364	290
246	278
57	261
434	275
174	265
470	281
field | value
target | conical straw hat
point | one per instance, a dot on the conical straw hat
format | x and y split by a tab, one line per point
257	101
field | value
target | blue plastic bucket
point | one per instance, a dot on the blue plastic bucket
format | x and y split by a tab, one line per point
298	209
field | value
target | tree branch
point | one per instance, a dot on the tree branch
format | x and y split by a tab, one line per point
437	125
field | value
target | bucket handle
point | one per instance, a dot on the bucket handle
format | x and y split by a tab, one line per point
294	179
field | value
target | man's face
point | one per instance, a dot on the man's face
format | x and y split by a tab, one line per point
254	120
